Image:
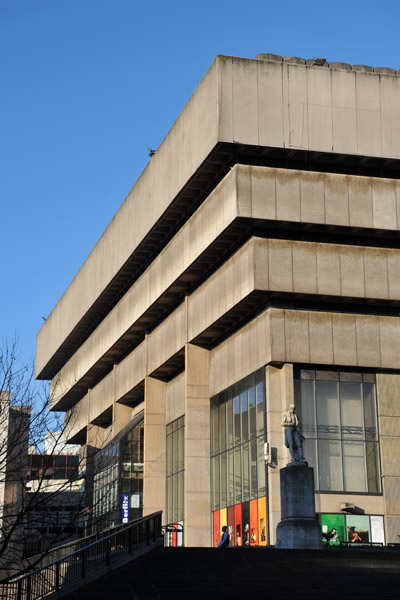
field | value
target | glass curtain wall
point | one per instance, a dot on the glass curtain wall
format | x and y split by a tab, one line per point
237	458
119	470
337	414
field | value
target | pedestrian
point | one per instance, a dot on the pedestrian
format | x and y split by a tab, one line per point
224	543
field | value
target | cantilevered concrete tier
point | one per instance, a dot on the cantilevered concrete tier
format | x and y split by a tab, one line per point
264	112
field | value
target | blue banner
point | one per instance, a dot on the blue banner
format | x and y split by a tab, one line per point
125	508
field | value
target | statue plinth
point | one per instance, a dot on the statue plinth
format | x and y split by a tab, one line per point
299	527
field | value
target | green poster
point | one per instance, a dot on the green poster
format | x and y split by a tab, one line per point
333	528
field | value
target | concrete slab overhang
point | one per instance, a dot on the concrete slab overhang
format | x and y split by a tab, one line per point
252	111
250	200
262	273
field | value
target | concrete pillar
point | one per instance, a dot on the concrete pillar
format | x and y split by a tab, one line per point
299	527
154	474
197	530
388	391
122	415
279	394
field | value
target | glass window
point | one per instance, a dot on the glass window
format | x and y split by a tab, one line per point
176	466
231	480
260	408
253	469
245	472
214	430
236	419
252	413
351	410
118	469
238	465
329	461
229	423
60	461
342	448
354	466
238	476
327	409
243	410
261	468
222	427
223	479
215	480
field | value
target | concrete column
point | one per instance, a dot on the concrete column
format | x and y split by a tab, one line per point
122	415
96	438
154	474
197	530
388	391
279	394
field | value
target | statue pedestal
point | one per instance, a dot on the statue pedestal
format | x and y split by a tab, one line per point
299	527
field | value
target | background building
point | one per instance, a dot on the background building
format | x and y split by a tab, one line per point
55	495
254	264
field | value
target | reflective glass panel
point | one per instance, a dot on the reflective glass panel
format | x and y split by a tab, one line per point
238	476
327	401
236	419
243	410
253	469
330	465
252	412
260	407
245	472
373	471
229	423
354	466
222	427
351	410
371	432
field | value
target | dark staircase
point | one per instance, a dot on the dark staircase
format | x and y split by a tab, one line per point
241	573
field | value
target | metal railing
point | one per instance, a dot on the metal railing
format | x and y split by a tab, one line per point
77	565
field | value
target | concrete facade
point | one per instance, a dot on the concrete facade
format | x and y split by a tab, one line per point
263	234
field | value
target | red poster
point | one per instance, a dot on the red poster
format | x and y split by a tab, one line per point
254	522
216	529
175	536
238	525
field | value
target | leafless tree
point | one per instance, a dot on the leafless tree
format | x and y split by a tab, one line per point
25	421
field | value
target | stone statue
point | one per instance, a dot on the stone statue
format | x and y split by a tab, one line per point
293	439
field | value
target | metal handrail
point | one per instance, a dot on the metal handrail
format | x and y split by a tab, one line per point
78	564
172	528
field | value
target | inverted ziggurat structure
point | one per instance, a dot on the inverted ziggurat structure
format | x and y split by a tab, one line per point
254	264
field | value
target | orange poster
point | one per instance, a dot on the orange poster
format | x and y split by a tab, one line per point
262	521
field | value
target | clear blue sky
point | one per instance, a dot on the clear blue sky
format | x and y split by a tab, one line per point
88	85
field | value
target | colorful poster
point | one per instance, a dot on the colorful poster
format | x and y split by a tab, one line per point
333	529
222	518
216	529
262	521
358	529
254	522
175	536
377	530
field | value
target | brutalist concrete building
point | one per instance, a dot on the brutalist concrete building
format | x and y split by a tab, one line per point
254	264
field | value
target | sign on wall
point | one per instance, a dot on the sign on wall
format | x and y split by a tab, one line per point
125	508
